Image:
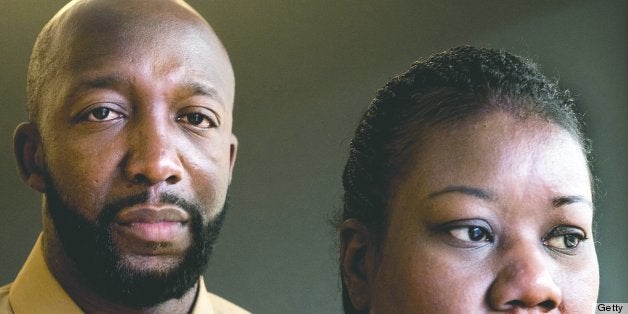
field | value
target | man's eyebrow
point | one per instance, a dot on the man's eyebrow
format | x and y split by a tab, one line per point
96	83
103	82
570	199
200	89
467	190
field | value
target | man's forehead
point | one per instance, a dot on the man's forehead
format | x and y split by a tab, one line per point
131	18
86	47
100	34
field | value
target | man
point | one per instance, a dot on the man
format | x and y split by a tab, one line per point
130	141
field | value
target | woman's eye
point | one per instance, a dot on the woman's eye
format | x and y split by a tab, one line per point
102	114
471	234
568	241
197	119
564	238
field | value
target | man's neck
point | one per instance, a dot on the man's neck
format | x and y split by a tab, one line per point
74	283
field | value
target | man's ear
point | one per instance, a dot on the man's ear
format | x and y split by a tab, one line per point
355	244
233	153
28	152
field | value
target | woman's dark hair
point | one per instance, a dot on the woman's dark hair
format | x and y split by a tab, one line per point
446	88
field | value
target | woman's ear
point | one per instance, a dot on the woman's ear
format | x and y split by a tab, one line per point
27	148
354	248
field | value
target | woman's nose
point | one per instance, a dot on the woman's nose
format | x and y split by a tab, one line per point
525	282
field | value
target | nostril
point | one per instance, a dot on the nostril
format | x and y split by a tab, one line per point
172	179
548	305
140	179
516	303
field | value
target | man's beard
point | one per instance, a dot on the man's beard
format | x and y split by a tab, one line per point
93	250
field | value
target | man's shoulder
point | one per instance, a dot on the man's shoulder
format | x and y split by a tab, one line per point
207	302
5	307
221	305
4	290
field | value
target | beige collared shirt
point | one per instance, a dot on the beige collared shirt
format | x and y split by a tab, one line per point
35	290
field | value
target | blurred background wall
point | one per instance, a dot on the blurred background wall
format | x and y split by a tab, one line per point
305	72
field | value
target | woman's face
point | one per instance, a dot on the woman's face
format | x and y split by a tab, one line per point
491	215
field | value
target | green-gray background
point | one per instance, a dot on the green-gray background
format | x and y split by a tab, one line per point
305	71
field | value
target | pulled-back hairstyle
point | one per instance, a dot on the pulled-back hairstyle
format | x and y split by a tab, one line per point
446	88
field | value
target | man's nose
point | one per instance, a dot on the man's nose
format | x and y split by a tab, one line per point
152	155
525	282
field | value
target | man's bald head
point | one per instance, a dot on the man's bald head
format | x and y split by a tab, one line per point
123	27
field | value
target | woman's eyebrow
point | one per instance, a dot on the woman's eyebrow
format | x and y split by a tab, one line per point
570	199
467	190
487	195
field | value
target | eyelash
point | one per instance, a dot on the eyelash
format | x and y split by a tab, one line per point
566	233
474	229
90	116
211	123
478	233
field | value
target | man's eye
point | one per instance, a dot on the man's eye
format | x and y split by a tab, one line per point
471	234
197	119
564	238
102	114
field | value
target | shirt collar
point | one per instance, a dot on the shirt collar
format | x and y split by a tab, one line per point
35	290
203	304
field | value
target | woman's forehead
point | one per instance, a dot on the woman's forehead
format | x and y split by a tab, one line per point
499	149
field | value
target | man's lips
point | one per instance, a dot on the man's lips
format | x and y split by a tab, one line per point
152	224
150	214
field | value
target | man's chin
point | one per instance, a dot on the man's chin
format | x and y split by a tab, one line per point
151	264
152	242
133	269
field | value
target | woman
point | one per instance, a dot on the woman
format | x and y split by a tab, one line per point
468	190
